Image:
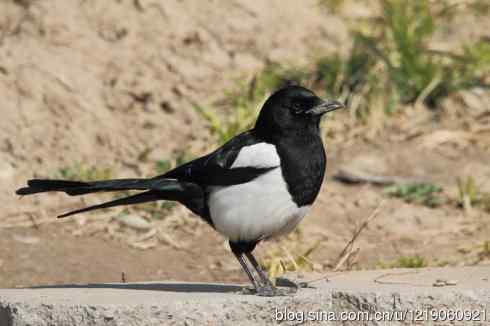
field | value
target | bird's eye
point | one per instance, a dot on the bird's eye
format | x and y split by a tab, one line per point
296	107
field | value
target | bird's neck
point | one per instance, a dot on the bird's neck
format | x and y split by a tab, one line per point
295	135
303	163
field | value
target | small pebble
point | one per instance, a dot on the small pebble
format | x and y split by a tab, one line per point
134	221
441	282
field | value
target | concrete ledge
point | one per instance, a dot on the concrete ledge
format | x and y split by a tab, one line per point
411	293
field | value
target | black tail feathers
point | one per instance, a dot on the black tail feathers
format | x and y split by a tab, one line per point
75	188
157	189
39	185
135	199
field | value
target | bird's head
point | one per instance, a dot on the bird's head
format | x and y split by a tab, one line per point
293	108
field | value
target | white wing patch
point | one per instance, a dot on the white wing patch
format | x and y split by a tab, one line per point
261	155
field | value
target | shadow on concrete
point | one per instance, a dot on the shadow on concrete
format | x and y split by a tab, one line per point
170	287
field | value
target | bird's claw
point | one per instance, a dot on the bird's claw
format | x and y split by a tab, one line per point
284	282
269	291
248	290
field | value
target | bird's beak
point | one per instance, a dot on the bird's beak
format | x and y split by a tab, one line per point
325	106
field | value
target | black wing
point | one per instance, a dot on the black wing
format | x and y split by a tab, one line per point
215	169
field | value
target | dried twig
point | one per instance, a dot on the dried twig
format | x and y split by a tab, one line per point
348	250
354	176
382	276
326	278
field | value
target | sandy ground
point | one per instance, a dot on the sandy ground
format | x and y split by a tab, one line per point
106	83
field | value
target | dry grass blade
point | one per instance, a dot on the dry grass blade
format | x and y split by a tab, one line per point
31	224
165	238
152	243
347	258
349	250
146	236
349	175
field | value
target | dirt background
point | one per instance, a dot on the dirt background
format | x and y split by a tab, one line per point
104	82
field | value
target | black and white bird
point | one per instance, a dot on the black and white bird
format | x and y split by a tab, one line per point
257	186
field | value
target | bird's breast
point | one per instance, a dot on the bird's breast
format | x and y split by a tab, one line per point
259	209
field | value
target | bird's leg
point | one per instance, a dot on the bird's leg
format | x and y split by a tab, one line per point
263	288
267	289
265	280
241	260
281	281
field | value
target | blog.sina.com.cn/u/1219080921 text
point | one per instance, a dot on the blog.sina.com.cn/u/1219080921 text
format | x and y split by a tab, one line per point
422	315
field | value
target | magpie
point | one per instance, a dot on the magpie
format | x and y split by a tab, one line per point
258	185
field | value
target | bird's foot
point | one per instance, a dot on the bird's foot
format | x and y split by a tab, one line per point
249	290
284	282
272	291
268	291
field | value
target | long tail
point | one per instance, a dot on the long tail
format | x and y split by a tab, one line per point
157	189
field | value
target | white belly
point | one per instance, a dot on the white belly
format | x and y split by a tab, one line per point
259	209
